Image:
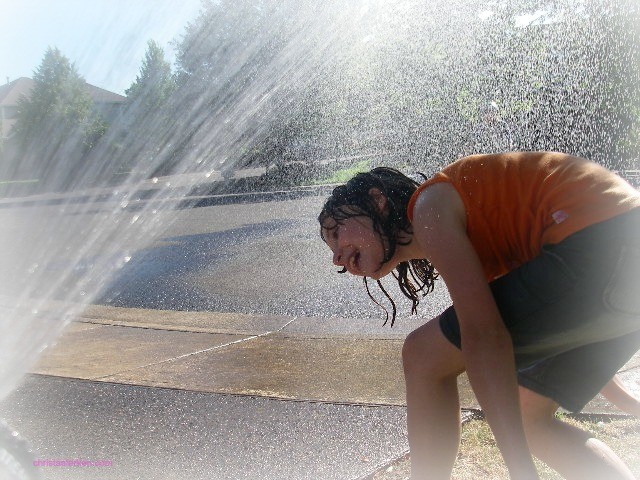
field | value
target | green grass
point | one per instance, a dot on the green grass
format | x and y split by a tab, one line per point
344	174
15	187
9	182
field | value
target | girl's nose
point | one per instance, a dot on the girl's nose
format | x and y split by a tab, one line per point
337	258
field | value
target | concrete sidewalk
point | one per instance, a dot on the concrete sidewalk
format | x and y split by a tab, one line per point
298	358
270	356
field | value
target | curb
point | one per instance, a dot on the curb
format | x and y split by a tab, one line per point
139	198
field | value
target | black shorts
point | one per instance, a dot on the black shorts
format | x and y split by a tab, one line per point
573	312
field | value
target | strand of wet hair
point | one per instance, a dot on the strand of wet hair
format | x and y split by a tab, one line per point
423	272
386	312
393	305
406	286
418	278
424	276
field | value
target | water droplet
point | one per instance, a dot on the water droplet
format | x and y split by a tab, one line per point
154	180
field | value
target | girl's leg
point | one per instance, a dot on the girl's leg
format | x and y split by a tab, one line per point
431	366
572	452
617	393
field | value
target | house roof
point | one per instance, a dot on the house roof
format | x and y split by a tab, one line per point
11	92
100	95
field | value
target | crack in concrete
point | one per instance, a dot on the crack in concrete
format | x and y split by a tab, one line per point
185	355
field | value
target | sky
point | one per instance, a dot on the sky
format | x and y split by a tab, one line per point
105	39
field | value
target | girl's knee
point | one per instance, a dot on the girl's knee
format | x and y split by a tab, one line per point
428	354
412	352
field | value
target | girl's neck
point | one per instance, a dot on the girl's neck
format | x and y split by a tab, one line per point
410	251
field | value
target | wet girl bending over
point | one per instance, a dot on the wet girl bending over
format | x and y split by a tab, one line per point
540	253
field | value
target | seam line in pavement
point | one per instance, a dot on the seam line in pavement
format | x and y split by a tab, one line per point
166	328
185	355
308	336
226	393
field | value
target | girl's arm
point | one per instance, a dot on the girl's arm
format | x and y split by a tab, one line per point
440	229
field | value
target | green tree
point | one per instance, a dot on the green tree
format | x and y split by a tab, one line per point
247	71
567	81
155	83
328	80
139	137
410	80
56	125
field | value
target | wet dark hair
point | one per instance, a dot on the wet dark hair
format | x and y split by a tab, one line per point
414	277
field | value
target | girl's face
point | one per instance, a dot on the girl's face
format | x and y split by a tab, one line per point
356	246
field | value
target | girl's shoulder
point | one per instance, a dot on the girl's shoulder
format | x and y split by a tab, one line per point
440	177
438	204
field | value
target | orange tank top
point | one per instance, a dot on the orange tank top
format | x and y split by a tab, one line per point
518	202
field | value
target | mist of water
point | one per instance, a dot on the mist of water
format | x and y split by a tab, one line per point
410	83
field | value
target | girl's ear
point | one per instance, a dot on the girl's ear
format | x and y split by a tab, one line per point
379	198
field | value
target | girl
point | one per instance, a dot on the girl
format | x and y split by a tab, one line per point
540	252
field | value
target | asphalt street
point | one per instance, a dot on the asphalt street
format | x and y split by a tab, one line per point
168	434
251	257
258	258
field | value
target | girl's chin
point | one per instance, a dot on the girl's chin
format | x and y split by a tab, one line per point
372	269
377	275
383	271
